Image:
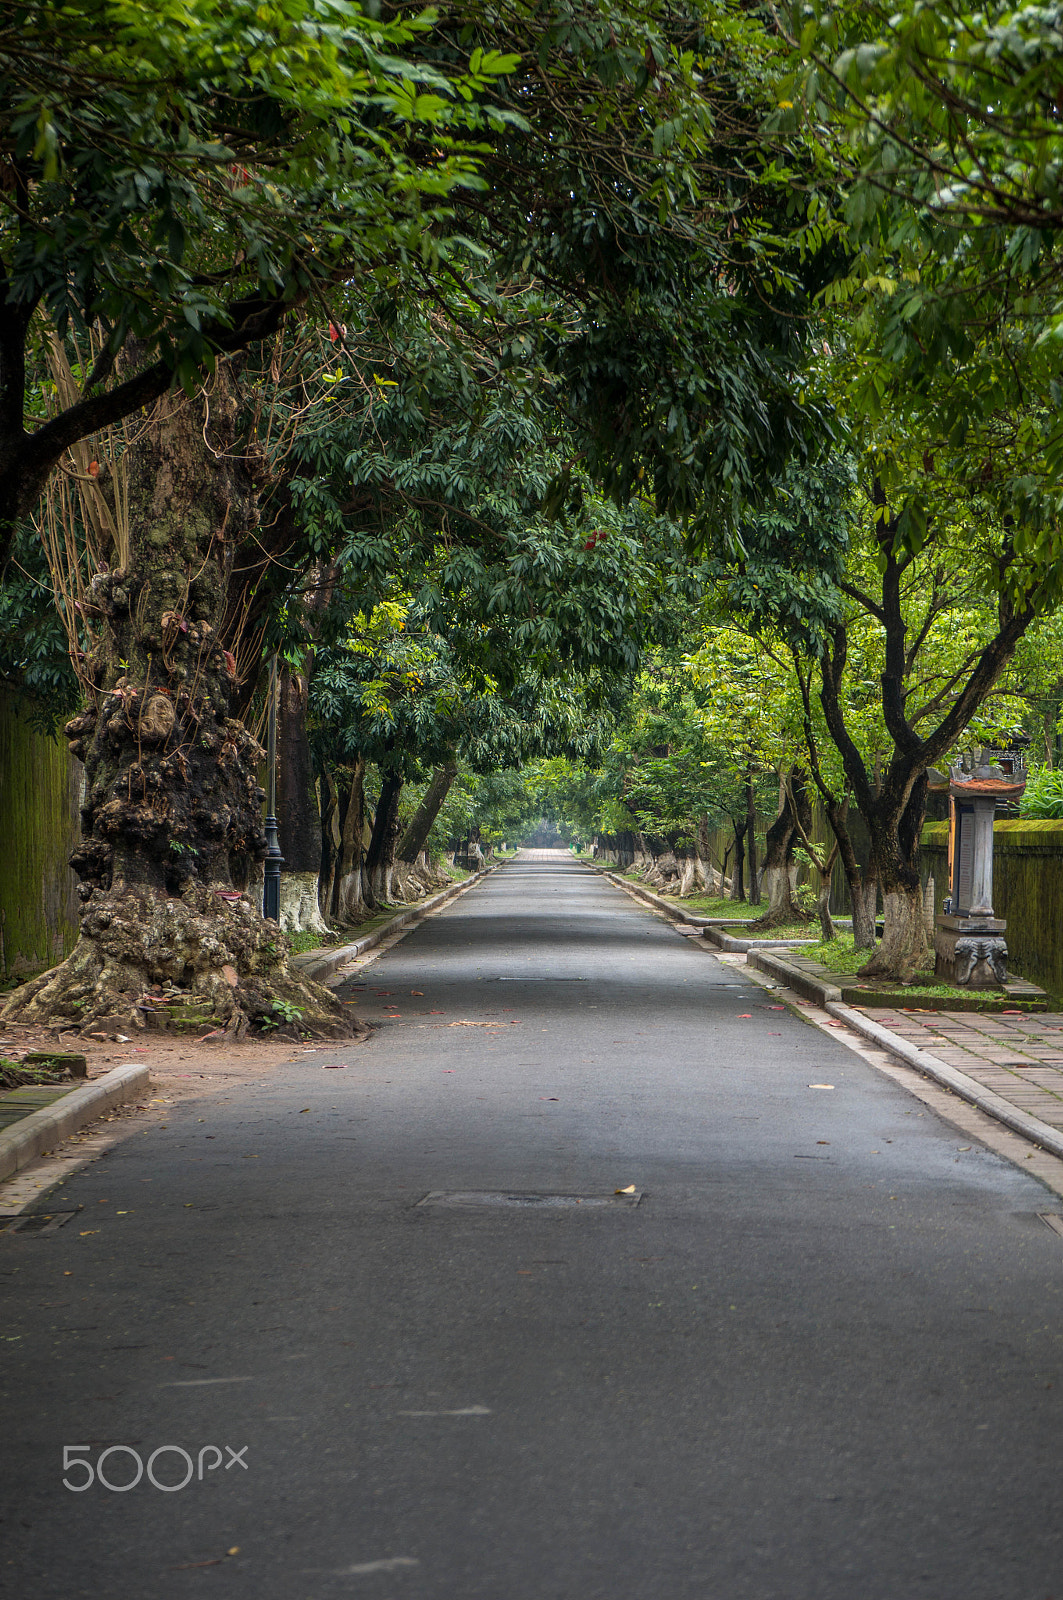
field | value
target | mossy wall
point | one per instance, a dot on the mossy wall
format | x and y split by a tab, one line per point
40	791
1027	891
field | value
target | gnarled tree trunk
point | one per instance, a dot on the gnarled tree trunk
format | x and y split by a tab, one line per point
171	789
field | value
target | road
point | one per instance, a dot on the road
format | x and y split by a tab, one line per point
819	1360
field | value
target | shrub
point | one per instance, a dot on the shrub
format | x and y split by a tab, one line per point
1044	794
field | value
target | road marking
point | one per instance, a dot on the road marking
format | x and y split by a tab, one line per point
201	1383
361	1569
463	1411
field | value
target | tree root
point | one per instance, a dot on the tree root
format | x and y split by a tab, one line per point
205	959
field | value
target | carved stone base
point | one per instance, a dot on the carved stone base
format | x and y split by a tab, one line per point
969	953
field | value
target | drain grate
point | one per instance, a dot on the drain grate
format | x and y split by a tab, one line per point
34	1222
526	1202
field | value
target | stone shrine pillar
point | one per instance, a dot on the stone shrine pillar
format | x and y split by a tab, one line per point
969	944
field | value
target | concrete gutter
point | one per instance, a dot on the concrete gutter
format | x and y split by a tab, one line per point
829	997
44	1129
322	964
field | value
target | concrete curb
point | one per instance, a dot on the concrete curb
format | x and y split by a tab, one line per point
43	1129
723	941
321	966
803	983
829	997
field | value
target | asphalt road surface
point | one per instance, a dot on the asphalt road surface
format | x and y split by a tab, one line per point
819	1360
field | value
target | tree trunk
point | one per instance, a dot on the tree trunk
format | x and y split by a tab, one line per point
904	949
862	881
863	892
172	794
738	891
751	844
298	813
380	857
415	838
826	925
330	842
780	870
349	904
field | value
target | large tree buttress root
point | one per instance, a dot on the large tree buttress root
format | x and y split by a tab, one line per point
201	958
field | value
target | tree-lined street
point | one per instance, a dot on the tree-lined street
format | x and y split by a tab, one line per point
819	1358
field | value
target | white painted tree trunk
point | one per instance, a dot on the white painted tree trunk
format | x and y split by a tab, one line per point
300	912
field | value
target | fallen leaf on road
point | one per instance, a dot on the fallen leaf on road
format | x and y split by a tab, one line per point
776	1008
437	1013
964	1147
745	1016
418	992
629	1190
334	1066
88	1231
821	1086
304	1111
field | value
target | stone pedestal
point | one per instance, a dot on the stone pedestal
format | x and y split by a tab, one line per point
970	951
968	939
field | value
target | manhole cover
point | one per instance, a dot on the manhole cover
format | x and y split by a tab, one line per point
526	1202
35	1222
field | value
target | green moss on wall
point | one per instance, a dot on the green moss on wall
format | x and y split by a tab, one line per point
39	797
1027	891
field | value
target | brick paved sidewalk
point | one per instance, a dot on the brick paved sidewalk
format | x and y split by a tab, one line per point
1018	1056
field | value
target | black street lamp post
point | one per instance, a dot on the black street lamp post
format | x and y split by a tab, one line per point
271	871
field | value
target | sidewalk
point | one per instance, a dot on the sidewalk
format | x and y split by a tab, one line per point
1019	1058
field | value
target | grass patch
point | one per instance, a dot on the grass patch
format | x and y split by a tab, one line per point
841	955
707	905
302	942
838	955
